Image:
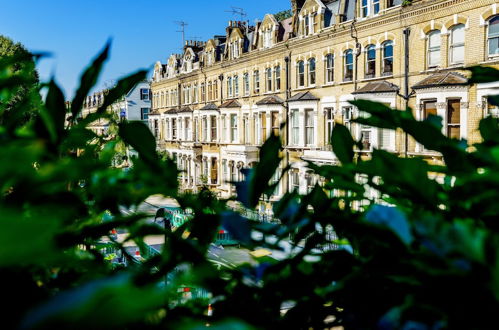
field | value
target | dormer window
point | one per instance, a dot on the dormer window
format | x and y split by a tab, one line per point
267	38
307	25
235	49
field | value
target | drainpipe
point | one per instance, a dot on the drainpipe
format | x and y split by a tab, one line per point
287	60
179	95
407	32
221	78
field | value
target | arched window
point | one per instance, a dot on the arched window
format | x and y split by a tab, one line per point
348	66
311	71
329	68
268	80
229	86
456	50
434	49
246	83
370	61
277	73
493	36
387	67
256	81
236	85
301	74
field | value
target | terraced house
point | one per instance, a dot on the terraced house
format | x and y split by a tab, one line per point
214	105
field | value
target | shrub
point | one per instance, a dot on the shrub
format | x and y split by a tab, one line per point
422	254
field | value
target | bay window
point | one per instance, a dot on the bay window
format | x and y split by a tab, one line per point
213	128
454	118
295	127
275	122
309	127
233	128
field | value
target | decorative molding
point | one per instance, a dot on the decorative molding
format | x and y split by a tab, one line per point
441	105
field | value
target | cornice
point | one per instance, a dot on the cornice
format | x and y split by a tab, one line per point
411	12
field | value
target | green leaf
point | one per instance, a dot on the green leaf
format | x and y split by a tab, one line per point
393	219
89	79
111	303
54	113
123	86
237	226
483	74
257	179
40	232
489	129
342	142
139	136
494	100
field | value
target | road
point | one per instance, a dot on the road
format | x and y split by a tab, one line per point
221	257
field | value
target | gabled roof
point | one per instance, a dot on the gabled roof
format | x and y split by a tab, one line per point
269	100
442	79
378	87
303	96
209	106
184	109
231	104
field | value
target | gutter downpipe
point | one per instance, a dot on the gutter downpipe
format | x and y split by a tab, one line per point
287	60
407	95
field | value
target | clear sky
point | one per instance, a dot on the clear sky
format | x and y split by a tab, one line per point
143	31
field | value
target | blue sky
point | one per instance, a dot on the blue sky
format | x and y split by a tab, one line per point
143	31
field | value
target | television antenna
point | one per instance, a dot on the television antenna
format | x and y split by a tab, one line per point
238	11
182	25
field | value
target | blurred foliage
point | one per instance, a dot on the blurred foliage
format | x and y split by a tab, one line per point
282	15
421	254
18	64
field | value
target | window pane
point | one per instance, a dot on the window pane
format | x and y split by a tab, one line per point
371	53
434	39
458	54
494	26
434	58
430	108
458	34
388	49
454	112
494	46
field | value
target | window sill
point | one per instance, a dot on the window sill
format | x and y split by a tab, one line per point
456	66
490	60
346	82
431	70
329	84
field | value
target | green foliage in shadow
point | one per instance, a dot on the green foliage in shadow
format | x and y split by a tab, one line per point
419	252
